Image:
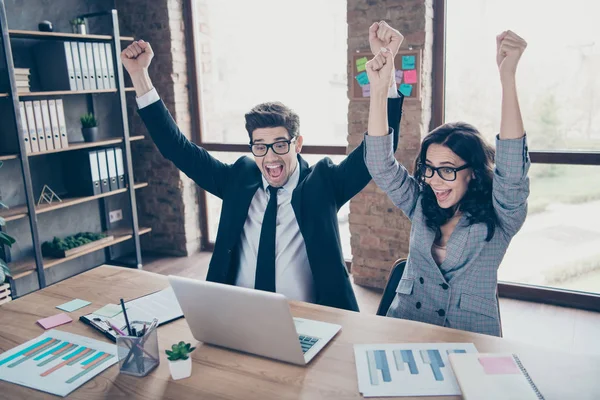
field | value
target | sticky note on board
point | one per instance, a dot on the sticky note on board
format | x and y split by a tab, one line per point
499	365
361	64
399	74
362	79
73	305
55	320
366	90
406	89
410	76
408	62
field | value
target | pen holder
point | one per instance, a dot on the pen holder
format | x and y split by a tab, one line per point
138	355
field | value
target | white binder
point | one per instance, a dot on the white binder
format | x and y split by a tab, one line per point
77	66
24	127
54	124
98	66
85	74
111	65
70	66
60	112
39	125
47	126
35	147
89	52
103	167
105	80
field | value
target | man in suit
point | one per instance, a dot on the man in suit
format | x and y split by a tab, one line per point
278	229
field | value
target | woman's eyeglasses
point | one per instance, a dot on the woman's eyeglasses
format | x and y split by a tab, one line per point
446	173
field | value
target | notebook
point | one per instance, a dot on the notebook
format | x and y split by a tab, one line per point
493	376
162	305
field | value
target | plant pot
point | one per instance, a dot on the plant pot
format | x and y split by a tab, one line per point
90	134
81	29
180	369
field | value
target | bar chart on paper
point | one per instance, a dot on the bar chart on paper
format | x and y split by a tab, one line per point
56	362
407	369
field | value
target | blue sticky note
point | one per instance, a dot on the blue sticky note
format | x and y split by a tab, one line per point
362	78
406	89
408	62
73	305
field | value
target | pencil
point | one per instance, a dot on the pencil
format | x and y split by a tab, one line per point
126	319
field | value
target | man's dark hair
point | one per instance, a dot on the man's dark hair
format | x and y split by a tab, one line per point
272	115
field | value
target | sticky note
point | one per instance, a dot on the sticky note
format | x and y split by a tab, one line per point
399	74
362	78
74	305
109	310
406	89
410	76
499	365
408	62
55	320
361	64
366	90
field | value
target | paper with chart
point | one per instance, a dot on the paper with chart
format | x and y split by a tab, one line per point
407	369
56	362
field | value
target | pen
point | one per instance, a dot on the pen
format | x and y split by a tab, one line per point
126	319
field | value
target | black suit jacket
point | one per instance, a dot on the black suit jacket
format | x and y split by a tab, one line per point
322	189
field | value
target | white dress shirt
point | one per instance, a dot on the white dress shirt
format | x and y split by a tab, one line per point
293	276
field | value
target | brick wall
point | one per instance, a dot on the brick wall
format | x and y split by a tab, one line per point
169	204
379	230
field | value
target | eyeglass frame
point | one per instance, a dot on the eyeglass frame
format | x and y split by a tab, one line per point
270	146
437	169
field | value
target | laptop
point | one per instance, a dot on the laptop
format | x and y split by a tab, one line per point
249	320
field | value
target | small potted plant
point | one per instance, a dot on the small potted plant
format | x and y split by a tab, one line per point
180	363
7	240
78	25
89	127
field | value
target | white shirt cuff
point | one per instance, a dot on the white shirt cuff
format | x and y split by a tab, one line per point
393	92
146	99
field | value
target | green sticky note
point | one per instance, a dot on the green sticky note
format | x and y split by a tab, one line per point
73	305
109	310
361	64
408	62
406	89
362	78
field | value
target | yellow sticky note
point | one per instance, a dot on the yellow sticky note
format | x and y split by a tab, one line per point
361	64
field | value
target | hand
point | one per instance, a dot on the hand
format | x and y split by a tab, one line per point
136	57
380	71
509	48
383	35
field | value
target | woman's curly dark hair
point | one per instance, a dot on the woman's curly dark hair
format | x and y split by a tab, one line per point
467	143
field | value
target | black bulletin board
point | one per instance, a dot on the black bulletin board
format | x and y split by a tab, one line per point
357	93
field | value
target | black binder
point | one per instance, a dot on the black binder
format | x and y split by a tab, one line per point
82	176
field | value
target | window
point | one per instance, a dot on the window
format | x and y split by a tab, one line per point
559	245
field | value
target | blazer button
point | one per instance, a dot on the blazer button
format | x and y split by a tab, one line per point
444	286
418	304
441	312
421	280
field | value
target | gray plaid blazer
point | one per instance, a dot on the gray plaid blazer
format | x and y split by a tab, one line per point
461	292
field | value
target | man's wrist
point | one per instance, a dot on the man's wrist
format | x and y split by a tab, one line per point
141	82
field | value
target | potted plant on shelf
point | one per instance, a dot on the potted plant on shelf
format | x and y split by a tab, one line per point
5	239
78	25
180	363
89	127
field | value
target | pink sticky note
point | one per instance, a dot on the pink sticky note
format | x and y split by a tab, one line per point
366	90
399	74
55	320
410	76
499	365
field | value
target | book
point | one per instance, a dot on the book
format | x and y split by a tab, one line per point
493	376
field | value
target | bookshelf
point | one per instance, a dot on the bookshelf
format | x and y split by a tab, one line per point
31	263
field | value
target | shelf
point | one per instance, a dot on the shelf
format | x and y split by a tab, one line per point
87	145
27	267
66	92
3	94
6	157
19	212
19	34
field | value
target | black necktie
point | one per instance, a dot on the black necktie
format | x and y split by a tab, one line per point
265	264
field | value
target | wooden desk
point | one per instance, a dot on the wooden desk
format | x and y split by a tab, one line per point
219	373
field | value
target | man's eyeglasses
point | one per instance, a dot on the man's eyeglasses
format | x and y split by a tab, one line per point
280	147
446	173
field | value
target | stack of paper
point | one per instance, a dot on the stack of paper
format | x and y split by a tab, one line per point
22	77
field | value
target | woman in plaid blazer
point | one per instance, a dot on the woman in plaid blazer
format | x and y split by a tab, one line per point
464	208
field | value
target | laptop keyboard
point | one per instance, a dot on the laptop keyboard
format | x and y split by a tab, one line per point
307	342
